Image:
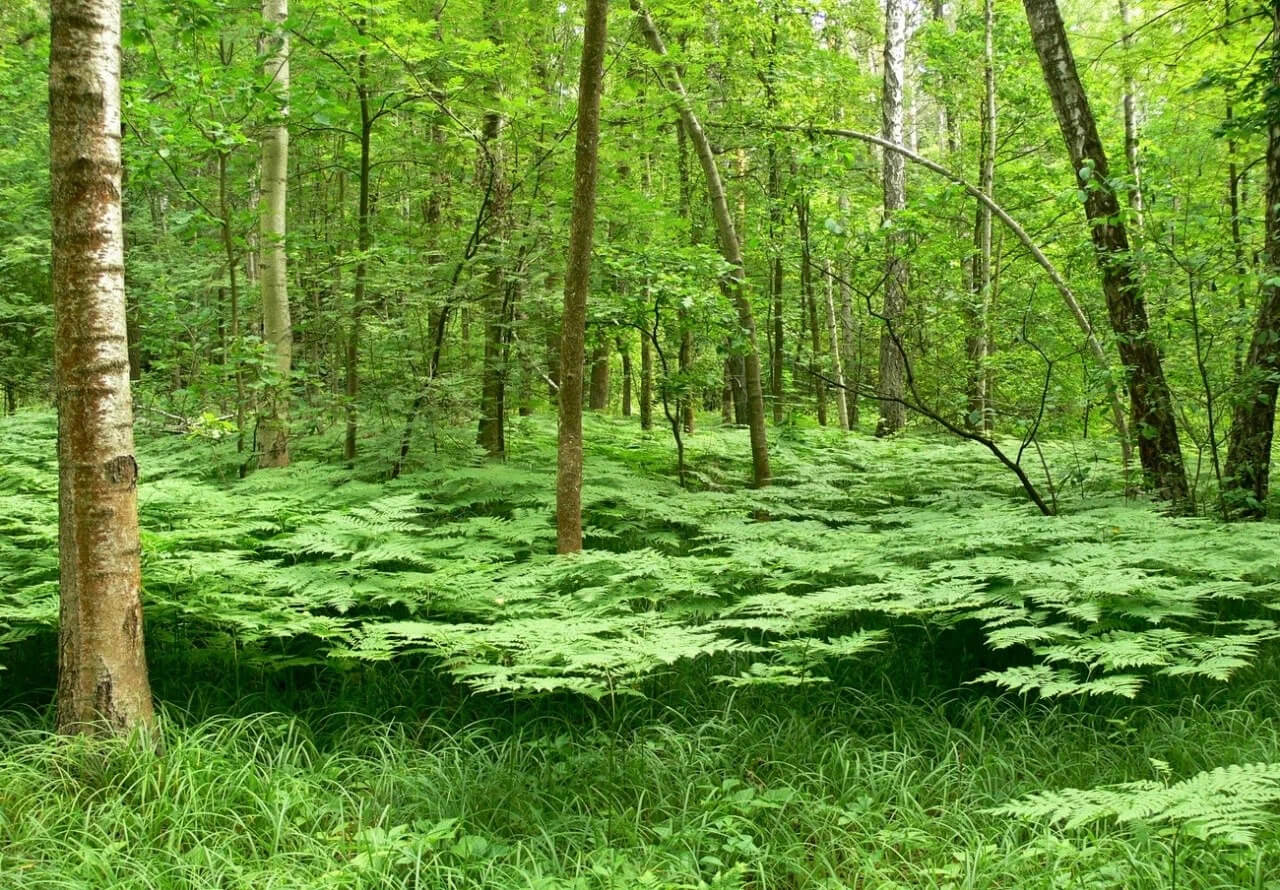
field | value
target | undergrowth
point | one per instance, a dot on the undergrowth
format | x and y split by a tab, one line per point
885	670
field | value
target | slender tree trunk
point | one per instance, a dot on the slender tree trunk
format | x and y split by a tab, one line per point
624	350
738	388
273	422
850	338
491	431
598	396
811	304
102	669
684	404
730	248
979	417
229	255
577	281
363	242
1150	400
833	340
646	384
1130	103
776	230
892	386
1253	424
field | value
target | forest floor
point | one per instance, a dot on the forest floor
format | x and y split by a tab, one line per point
367	684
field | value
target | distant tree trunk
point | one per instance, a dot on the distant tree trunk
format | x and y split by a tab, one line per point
776	228
833	340
685	356
273	422
102	671
892	387
738	387
850	338
598	398
1130	103
363	242
726	392
810	303
646	384
978	417
11	397
491	430
1151	403
624	350
577	279
730	248
1248	468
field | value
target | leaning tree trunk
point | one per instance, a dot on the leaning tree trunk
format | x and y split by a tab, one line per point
577	282
1151	403
892	387
273	421
730	248
102	671
1249	452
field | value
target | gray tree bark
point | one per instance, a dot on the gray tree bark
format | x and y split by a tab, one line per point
102	672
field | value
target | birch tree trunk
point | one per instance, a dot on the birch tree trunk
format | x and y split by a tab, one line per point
1151	403
892	386
577	282
730	247
102	671
273	421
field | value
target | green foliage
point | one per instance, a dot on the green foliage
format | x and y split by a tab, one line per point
865	541
1230	803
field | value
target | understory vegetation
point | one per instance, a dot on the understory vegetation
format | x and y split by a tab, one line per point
885	670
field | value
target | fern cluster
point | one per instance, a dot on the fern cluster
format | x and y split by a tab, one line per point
318	563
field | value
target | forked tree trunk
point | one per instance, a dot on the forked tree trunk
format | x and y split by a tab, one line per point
1151	404
102	669
577	282
729	247
273	420
1248	468
892	386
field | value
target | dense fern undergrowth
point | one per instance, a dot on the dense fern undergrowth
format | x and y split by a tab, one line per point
885	670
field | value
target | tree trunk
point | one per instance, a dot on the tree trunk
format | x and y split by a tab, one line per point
738	388
646	384
1249	452
577	282
729	247
810	302
776	229
624	350
892	386
1151	403
685	356
1130	103
362	260
833	340
102	669
978	416
273	421
598	396
491	431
